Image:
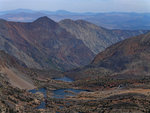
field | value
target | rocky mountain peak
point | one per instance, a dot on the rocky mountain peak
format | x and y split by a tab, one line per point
45	21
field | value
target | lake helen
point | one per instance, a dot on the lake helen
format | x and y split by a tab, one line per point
59	93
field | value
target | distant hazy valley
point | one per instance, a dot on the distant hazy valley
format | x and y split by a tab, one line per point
112	20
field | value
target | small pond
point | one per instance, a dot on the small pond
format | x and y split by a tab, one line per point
64	79
62	93
42	90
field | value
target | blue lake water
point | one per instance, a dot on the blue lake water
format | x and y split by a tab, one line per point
42	90
64	79
62	93
58	94
41	106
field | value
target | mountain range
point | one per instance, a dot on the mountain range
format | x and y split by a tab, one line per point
43	43
112	20
46	44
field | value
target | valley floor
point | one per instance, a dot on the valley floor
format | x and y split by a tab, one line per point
113	100
74	97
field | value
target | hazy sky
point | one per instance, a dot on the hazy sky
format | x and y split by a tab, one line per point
79	5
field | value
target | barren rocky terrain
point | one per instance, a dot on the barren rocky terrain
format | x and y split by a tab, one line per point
116	81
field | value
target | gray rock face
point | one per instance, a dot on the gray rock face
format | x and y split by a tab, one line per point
94	37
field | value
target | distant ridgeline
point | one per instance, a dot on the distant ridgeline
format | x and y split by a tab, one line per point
112	20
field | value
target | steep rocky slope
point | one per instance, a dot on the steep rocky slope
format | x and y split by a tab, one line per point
125	60
132	54
11	69
94	37
43	44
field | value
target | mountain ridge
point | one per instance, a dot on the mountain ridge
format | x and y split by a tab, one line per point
94	37
42	41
